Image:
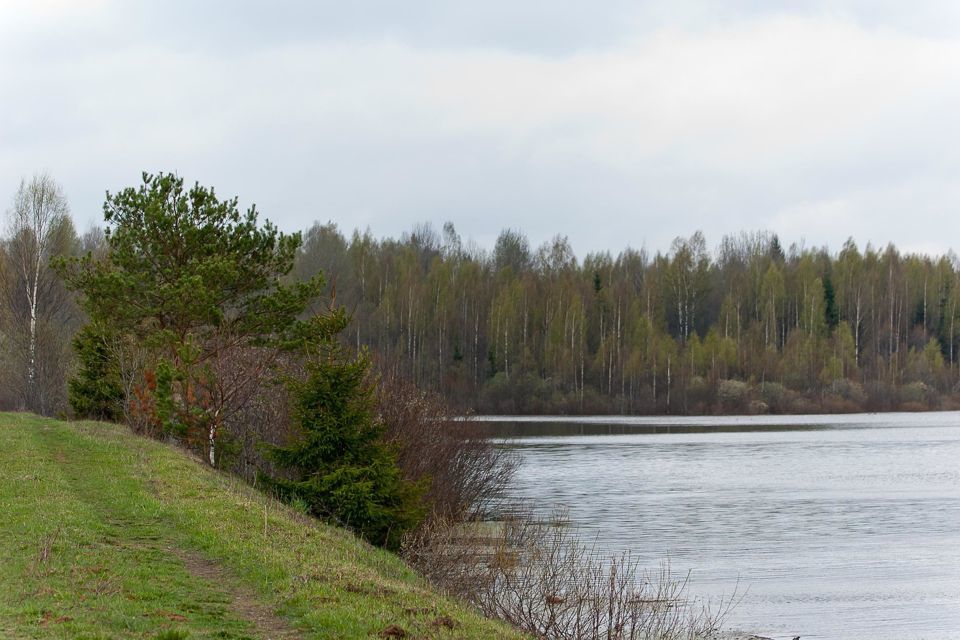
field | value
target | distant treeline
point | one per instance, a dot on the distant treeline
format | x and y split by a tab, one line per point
749	327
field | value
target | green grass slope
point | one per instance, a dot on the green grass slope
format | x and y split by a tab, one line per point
107	535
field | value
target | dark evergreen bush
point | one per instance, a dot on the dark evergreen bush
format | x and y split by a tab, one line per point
95	391
340	465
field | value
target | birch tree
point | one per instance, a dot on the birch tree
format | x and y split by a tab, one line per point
37	215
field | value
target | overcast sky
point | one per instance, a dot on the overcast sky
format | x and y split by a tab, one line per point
615	123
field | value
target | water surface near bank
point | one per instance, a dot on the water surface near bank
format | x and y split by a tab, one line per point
838	526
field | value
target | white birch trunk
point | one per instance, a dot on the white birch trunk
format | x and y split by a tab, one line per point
39	208
213	446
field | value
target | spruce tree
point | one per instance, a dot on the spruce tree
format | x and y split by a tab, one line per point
340	465
95	391
830	312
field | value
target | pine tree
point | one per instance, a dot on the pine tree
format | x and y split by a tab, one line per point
194	282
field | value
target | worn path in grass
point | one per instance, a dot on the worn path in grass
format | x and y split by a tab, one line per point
107	535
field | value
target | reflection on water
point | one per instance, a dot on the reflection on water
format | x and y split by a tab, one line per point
838	526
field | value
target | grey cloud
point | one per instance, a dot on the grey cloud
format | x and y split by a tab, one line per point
623	126
548	27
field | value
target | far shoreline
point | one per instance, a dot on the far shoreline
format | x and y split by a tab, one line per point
615	418
507	426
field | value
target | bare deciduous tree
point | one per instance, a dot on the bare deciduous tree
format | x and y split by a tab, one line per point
38	227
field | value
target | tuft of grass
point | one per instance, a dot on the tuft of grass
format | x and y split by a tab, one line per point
108	535
299	505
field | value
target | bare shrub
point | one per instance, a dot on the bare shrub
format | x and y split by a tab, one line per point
261	414
130	357
466	470
539	576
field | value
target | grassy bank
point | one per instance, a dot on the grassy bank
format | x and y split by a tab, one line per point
107	535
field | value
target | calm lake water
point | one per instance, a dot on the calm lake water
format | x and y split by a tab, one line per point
838	527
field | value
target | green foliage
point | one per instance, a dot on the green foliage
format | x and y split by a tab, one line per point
342	467
184	265
190	280
95	391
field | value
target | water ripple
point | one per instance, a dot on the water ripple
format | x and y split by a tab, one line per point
849	533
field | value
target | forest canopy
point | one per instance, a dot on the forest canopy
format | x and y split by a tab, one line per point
748	327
